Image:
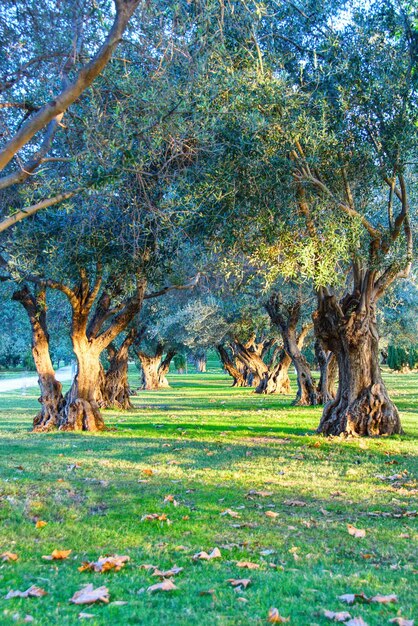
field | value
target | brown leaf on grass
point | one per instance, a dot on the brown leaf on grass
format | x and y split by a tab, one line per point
150	517
239	582
231	513
40	523
356	621
168	573
104	564
165	585
350	598
171	499
271	514
32	592
367	555
359	533
274	617
378	599
148	472
89	595
247	565
147	566
259	494
294	503
204	556
207	592
57	555
401	621
341	616
8	556
85	615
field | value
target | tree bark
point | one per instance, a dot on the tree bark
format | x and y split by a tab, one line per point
200	359
150	365
348	328
328	368
51	398
286	318
164	368
276	378
229	365
116	392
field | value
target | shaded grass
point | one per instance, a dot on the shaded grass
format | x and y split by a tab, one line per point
208	445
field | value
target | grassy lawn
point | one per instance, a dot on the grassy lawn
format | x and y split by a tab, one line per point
208	446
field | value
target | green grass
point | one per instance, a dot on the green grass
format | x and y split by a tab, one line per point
209	445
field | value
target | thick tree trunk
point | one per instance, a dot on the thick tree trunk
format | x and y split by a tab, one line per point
81	410
276	379
164	368
51	398
328	368
362	405
116	392
230	367
200	360
151	379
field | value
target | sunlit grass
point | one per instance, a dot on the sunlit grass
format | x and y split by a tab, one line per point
208	445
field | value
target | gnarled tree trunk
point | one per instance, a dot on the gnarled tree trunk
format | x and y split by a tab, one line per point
276	378
200	360
348	328
328	368
116	392
153	369
286	318
230	366
164	368
51	398
81	410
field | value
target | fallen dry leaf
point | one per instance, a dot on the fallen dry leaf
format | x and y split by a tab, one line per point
148	472
294	503
384	599
247	565
274	617
231	513
168	573
155	517
204	556
260	494
356	621
341	616
171	499
40	524
32	592
401	621
356	532
57	555
271	514
105	563
88	595
8	556
350	598
85	615
239	582
165	585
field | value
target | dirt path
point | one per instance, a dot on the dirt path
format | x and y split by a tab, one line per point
23	382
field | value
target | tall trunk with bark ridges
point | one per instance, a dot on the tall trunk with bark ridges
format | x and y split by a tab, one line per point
348	328
51	398
328	368
276	378
229	365
116	391
286	317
